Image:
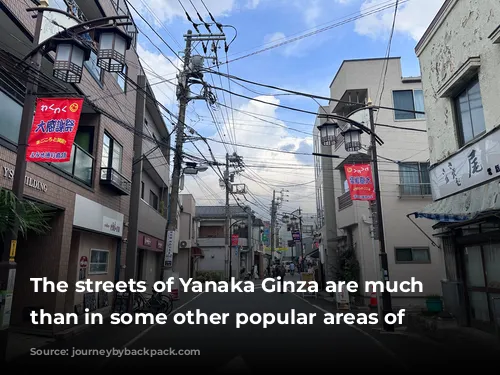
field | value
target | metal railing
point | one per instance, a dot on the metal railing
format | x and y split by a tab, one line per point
412	190
80	166
344	201
112	177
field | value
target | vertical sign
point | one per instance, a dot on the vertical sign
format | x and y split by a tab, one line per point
234	240
360	180
170	249
54	128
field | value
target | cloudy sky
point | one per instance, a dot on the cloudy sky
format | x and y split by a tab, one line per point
335	32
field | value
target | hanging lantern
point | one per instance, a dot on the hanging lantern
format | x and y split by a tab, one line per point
328	133
113	43
68	63
352	139
286	219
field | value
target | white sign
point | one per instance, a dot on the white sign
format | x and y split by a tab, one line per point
53	23
111	226
474	165
169	249
342	298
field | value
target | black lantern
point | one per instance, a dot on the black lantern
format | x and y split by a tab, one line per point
68	64
352	139
286	219
113	43
328	133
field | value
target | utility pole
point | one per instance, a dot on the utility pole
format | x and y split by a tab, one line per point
183	96
301	234
135	194
273	223
8	253
228	243
386	296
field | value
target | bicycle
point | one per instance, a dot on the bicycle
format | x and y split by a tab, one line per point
155	303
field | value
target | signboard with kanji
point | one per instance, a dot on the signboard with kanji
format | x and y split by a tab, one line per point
54	128
234	240
360	180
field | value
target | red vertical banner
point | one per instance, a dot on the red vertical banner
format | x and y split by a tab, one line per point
54	128
360	180
234	240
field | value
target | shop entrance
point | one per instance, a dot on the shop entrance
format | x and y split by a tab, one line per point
482	271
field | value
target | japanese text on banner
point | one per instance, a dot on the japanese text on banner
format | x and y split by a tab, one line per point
359	178
54	128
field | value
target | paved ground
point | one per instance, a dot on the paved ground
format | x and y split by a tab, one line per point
254	349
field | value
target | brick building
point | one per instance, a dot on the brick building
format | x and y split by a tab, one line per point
88	196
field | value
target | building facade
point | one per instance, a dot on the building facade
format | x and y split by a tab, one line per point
403	172
188	230
87	197
459	55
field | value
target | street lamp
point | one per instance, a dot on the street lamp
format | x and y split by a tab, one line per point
352	139
68	63
286	219
113	43
328	132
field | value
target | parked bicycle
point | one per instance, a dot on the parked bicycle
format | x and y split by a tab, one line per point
154	303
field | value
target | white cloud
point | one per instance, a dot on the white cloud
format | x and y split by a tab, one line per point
413	18
252	4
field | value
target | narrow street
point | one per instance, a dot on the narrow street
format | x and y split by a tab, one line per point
251	348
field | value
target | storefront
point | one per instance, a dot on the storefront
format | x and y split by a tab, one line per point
466	206
149	257
96	252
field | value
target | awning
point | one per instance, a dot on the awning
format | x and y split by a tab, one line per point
464	206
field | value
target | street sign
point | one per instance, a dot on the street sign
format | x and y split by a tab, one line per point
296	236
170	249
84	262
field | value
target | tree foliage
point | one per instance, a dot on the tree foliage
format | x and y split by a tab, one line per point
30	217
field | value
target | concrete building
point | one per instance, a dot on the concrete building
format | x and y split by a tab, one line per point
87	196
404	179
211	239
459	55
188	230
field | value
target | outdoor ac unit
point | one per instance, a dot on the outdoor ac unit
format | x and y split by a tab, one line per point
185	244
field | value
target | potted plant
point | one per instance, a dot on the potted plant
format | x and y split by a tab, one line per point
434	303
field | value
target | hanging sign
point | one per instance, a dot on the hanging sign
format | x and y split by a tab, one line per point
234	240
54	128
360	180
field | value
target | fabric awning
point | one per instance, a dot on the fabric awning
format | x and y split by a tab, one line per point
463	206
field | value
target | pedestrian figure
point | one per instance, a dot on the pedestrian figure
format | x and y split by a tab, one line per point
292	269
282	273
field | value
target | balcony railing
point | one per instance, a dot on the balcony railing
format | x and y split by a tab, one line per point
344	201
414	190
80	166
116	180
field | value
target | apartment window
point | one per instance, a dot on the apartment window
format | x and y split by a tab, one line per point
410	100
121	78
414	179
153	200
112	153
91	65
10	121
469	113
413	255
99	260
142	189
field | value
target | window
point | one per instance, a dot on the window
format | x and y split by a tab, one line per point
411	100
414	179
98	261
469	113
413	255
91	65
153	200
10	121
120	78
112	153
142	189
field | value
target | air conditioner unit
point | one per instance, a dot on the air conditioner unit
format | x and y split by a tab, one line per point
184	244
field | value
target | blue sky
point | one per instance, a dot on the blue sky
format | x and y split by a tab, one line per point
306	65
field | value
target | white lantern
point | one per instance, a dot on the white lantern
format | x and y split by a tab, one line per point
352	139
68	63
113	43
328	133
286	219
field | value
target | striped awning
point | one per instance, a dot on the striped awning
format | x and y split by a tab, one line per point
463	206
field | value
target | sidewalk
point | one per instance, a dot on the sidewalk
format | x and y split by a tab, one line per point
106	336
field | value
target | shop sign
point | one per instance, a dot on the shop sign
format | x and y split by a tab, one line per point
54	129
360	180
111	226
170	249
28	181
147	241
159	245
474	165
234	240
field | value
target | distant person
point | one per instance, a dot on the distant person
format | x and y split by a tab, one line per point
282	273
292	268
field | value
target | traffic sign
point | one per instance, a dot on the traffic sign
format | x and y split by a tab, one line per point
84	262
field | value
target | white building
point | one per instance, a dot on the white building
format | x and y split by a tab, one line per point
459	57
404	179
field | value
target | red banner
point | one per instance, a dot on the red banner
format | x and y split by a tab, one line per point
54	129
234	240
360	180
